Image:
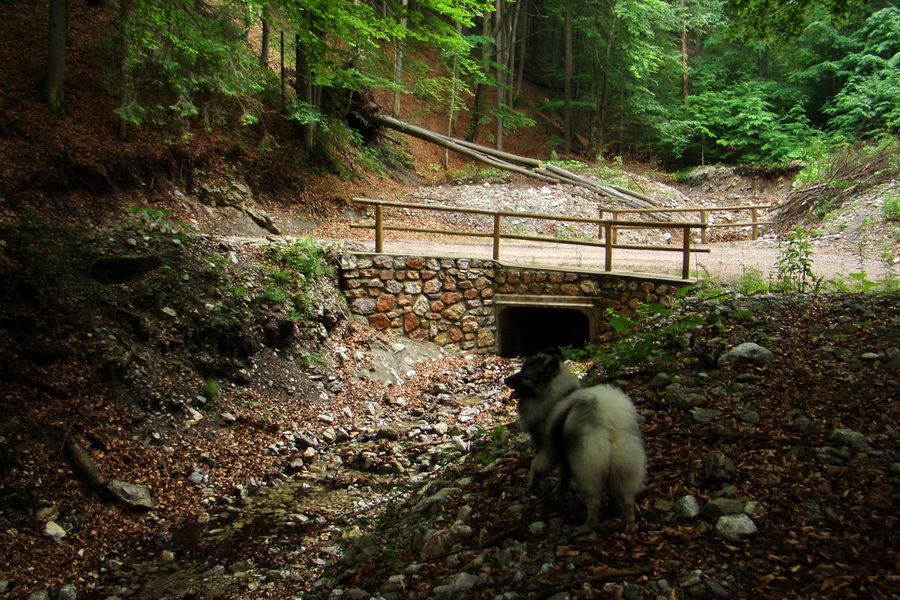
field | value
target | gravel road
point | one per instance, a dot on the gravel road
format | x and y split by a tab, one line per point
727	260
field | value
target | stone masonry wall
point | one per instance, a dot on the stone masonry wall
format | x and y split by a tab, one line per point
450	301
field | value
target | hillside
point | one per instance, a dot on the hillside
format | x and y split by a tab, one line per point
273	448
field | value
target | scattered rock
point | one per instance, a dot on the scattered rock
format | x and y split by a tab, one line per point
723	506
135	496
849	439
68	592
735	527
718	467
747	353
53	531
705	415
687	507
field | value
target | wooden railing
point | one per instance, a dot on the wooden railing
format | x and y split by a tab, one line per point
754	223
607	228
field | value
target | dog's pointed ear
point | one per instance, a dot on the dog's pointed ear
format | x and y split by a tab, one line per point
551	366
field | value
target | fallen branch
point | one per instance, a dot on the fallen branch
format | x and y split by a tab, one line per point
603	577
519	164
135	497
84	465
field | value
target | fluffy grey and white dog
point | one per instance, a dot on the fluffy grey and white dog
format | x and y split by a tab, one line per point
591	434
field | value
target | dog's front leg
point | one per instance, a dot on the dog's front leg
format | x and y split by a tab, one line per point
540	465
565	479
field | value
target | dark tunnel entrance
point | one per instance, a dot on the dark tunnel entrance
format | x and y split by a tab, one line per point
524	330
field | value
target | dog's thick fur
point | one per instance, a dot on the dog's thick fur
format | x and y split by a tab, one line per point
592	434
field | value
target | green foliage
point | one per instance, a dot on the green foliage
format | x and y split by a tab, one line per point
499	433
175	58
296	268
757	102
474	172
306	258
745	124
749	282
867	103
151	222
768	19
891	206
308	359
646	340
211	389
794	265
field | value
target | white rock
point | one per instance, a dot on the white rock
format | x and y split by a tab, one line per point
687	506
733	528
747	353
54	531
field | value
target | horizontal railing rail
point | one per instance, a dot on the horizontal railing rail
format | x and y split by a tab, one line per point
608	228
754	223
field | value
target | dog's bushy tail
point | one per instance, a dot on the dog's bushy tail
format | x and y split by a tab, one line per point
610	452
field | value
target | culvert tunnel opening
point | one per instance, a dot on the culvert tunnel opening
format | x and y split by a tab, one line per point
525	330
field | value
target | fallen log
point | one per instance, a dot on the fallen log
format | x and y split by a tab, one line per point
513	163
133	496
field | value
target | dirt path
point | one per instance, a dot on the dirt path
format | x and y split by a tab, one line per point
727	260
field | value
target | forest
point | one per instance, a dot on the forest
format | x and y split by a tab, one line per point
681	82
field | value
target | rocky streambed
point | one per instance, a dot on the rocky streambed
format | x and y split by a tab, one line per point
773	470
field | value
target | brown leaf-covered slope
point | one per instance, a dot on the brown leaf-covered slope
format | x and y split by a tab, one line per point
826	512
126	369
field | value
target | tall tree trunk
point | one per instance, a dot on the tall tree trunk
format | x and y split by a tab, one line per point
499	53
305	92
453	117
480	88
55	78
517	65
264	43
283	74
568	63
604	91
399	52
763	61
127	96
685	89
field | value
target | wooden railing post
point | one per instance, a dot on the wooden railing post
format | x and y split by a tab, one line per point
703	220
379	229
600	225
754	228
609	245
496	236
613	231
686	254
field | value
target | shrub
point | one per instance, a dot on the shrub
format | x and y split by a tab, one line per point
891	207
794	265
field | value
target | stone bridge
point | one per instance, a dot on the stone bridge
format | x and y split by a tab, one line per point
487	306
